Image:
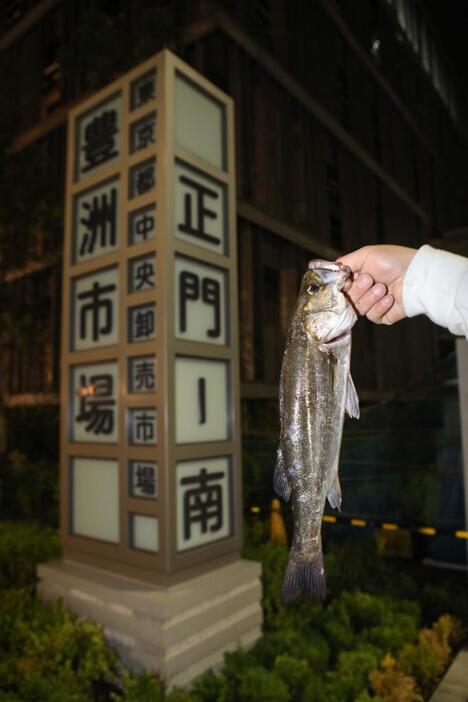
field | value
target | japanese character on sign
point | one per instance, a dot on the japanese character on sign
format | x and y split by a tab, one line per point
100	221
142	374
142	273
203	501
142	178
143	133
96	221
200	291
95	399
142	225
189	285
98	136
97	408
202	400
143	479
142	426
142	323
92	307
143	90
200	209
94	312
196	210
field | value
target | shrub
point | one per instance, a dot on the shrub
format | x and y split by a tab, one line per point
391	684
259	685
313	648
210	688
22	546
427	659
47	653
294	672
139	688
351	674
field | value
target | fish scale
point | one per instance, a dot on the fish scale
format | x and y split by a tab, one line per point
315	389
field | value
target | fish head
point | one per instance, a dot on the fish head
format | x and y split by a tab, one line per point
327	314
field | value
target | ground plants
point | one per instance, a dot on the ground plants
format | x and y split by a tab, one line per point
365	644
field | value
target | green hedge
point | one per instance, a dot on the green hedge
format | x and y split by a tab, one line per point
22	546
310	652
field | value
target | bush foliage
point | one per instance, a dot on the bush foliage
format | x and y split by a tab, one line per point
365	644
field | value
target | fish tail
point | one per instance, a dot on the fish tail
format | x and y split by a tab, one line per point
308	578
280	481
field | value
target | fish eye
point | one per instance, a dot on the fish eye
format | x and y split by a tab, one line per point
312	287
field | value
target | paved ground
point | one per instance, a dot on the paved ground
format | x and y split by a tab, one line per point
454	685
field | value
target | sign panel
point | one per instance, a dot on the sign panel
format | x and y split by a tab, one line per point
201	301
95	310
200	209
142	427
142	273
98	140
94	393
96	229
142	225
202	400
142	322
143	479
142	374
95	498
200	122
144	532
143	133
203	501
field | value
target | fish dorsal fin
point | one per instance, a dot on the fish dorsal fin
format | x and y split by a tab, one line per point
352	400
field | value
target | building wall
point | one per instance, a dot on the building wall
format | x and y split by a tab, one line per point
339	144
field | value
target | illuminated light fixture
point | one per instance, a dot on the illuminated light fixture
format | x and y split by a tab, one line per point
86	390
358	522
389	526
329	518
427	531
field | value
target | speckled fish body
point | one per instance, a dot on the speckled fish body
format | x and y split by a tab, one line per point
315	390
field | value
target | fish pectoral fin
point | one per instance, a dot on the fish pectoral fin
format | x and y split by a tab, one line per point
352	400
280	480
334	493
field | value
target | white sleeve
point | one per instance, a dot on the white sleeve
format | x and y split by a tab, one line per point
436	284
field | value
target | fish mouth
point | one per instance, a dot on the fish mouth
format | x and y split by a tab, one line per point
331	270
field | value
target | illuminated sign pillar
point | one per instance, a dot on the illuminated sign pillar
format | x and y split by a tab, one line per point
150	423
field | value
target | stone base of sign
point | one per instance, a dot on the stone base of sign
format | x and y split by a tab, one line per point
177	631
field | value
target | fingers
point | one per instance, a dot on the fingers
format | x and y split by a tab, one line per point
371	299
355	259
379	313
358	287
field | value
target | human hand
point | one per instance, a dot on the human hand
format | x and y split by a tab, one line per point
376	289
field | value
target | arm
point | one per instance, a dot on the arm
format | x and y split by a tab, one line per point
392	282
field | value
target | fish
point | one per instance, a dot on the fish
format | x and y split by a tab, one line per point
315	391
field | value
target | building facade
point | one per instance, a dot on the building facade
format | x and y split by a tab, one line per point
348	132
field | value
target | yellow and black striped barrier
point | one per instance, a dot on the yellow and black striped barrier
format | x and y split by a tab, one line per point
356	521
